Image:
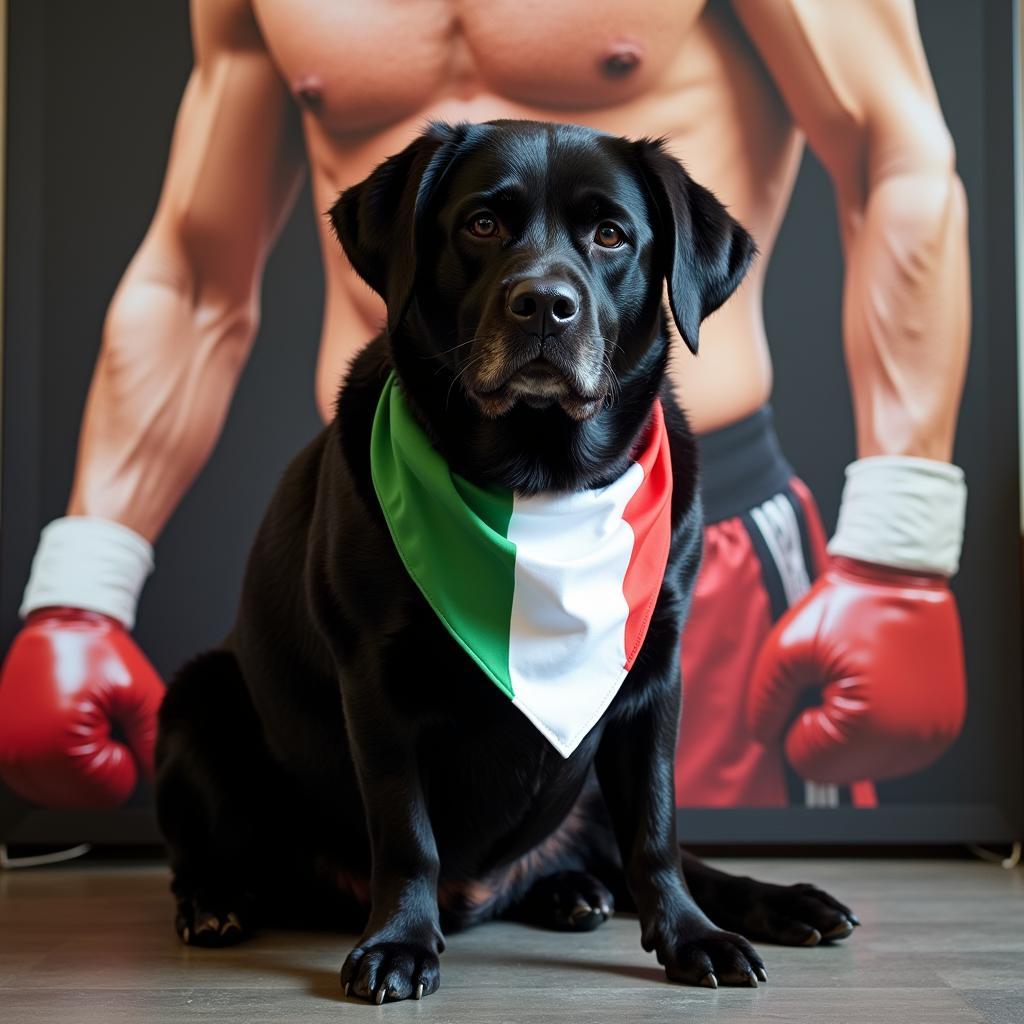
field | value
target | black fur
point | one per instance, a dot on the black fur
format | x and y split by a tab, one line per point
340	755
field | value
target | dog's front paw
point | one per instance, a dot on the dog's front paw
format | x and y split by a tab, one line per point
705	955
391	970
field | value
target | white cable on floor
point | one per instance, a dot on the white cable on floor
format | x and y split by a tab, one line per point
42	859
1009	862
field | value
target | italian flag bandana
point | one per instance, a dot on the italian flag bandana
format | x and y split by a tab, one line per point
550	594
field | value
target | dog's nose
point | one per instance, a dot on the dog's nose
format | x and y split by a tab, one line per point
544	306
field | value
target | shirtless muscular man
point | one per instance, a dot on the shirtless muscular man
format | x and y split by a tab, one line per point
335	86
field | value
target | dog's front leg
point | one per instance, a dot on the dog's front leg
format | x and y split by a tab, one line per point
634	767
397	955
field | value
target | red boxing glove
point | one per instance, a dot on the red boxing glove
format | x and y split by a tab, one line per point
883	646
68	675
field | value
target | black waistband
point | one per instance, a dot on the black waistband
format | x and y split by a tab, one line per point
741	466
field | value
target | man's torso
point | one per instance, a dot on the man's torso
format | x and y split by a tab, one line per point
367	76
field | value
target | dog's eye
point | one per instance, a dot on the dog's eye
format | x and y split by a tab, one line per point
609	235
483	225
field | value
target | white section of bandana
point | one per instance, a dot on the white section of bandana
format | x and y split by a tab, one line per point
567	653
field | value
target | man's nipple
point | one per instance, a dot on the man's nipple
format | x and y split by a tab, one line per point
309	91
621	60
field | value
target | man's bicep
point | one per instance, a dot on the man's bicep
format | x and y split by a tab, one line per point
855	77
235	158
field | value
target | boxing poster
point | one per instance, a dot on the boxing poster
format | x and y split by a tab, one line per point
803	722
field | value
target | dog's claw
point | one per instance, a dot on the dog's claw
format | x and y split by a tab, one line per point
709	981
348	985
381	993
419	991
813	939
751	980
231	922
762	974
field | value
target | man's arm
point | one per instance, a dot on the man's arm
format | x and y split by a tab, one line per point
184	316
176	337
878	634
854	75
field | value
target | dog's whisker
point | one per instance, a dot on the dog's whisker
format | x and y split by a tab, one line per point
462	344
614	386
485	338
448	351
455	379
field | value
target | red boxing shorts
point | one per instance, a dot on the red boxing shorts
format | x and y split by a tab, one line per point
763	546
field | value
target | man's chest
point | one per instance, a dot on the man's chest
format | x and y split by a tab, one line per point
359	65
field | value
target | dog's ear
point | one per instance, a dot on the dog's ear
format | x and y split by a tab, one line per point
705	251
378	220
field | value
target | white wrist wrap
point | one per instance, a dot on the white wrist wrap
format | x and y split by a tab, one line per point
903	512
90	563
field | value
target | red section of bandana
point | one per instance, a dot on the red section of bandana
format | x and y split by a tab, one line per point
649	514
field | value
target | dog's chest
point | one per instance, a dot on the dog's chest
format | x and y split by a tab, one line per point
495	794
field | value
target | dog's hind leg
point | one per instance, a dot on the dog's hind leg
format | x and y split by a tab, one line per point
215	796
790	915
558	885
566	901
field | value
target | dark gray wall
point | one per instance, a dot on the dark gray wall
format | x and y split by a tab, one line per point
93	91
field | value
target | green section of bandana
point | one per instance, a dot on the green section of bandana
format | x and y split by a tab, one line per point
452	535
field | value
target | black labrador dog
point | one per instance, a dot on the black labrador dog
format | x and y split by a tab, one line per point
341	758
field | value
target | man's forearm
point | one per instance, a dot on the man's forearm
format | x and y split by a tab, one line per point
159	396
906	312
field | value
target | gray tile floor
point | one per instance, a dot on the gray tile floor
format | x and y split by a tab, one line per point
941	942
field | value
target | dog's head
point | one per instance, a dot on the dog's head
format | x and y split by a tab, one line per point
529	258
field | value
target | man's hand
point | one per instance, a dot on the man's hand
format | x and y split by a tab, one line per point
883	647
74	671
878	634
69	675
